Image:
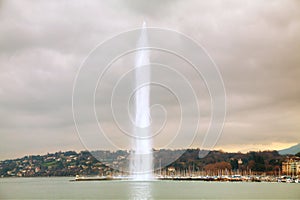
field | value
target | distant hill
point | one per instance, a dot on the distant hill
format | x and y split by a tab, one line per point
84	163
291	150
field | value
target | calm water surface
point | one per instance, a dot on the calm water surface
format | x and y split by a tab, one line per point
62	188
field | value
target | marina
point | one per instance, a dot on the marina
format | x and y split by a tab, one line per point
233	178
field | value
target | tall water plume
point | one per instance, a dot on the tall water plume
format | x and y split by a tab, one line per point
141	166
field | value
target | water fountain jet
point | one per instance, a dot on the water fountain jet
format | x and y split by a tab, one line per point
141	166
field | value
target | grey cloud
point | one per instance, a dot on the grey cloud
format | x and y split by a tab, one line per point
255	44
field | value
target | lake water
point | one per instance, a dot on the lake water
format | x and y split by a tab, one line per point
62	188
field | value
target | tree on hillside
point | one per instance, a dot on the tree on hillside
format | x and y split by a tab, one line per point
218	166
259	162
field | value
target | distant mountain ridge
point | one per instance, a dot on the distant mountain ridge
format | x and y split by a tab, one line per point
291	150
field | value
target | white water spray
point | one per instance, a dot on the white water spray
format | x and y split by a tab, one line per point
141	166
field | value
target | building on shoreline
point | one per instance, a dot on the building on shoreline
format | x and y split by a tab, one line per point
291	166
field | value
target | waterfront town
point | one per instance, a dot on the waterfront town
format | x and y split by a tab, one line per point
217	165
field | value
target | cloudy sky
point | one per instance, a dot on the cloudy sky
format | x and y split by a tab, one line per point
256	45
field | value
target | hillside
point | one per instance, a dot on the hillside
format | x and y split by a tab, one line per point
291	150
71	163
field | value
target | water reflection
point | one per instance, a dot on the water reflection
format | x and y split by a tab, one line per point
140	190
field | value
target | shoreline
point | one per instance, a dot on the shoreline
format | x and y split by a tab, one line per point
235	178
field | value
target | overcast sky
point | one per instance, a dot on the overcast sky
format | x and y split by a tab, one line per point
256	45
